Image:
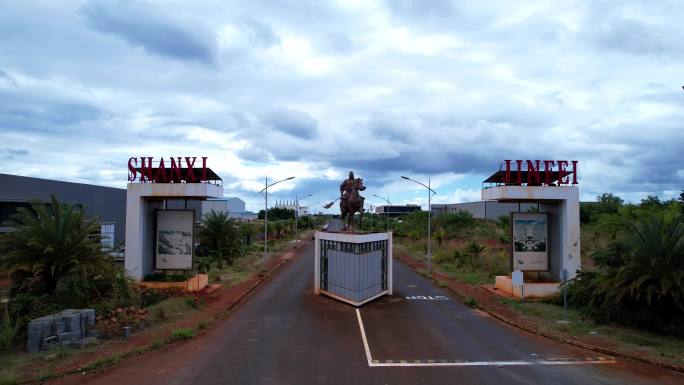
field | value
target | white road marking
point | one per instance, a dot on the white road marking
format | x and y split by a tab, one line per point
429	297
407	363
363	336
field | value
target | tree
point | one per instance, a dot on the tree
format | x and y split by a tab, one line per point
606	203
48	244
475	249
639	279
440	234
277	213
220	236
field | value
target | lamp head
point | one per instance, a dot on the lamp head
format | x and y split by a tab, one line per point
405	177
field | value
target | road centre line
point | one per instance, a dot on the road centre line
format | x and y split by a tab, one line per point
436	363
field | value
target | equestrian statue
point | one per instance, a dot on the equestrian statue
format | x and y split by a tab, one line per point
351	201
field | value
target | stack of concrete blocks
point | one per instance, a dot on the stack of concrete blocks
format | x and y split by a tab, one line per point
71	327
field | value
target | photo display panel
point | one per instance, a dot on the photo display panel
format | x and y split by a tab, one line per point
175	239
530	241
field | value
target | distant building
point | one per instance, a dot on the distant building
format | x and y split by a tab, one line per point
395	210
234	206
106	203
302	211
483	209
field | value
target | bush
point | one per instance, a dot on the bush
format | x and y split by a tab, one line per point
8	333
471	302
182	334
48	244
162	277
639	279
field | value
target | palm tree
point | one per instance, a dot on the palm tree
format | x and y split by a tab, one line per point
49	243
475	249
653	267
220	236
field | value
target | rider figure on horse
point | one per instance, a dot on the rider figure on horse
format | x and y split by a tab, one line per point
350	199
346	188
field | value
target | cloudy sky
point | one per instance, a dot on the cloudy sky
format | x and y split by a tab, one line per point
313	89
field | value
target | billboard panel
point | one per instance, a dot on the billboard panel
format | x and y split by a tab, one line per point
530	241
175	239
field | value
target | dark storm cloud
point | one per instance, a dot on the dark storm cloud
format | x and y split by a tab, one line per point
292	122
149	26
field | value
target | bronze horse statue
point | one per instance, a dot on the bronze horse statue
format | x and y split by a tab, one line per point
351	201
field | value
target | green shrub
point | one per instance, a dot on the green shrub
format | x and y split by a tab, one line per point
471	302
48	244
639	278
162	277
462	259
8	378
183	334
8	334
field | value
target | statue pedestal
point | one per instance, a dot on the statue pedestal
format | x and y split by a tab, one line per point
352	267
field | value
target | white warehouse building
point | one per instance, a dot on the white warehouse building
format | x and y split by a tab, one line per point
234	206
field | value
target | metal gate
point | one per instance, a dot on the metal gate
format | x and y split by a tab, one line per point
354	271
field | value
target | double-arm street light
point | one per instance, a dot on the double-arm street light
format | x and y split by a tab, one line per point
264	192
388	206
297	218
429	240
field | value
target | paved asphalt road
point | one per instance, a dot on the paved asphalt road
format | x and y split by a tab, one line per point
283	334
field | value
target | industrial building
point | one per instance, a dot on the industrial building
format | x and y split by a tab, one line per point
106	203
234	206
395	210
483	209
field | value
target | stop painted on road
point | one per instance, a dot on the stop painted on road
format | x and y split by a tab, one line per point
429	297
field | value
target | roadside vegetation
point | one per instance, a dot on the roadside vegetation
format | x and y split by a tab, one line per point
638	255
54	260
468	249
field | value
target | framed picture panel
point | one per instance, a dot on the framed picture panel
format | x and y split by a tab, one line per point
175	239
530	233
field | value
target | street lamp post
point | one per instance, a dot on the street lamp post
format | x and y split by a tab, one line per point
387	211
297	219
371	217
429	240
264	192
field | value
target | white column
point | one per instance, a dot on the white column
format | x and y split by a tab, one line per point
317	265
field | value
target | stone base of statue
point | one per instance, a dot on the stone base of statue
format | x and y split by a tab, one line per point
353	267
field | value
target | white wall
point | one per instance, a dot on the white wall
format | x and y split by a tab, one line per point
141	199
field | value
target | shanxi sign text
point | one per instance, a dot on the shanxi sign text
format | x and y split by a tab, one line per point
180	169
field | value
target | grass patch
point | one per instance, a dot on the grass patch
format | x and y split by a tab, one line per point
655	345
471	302
158	344
8	333
182	334
7	378
239	271
171	309
203	324
102	363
